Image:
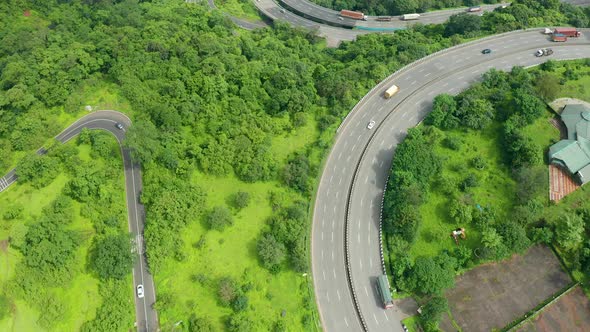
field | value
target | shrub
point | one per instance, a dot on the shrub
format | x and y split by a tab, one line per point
241	199
453	143
219	218
227	291
271	252
469	182
240	303
13	212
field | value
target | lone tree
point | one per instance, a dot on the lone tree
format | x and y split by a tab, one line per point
219	218
112	257
433	309
271	252
241	199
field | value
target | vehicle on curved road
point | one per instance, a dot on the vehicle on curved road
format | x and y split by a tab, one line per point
146	315
346	250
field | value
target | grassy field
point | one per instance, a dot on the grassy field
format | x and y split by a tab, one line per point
412	324
232	252
495	189
81	297
241	9
575	88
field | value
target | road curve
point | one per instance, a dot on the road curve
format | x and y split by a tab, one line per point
348	202
247	25
336	30
146	316
332	17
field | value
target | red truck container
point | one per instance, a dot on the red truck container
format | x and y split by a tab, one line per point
558	37
353	14
568	32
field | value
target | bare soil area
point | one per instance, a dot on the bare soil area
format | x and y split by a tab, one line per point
493	295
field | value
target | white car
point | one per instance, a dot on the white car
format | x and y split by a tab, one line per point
371	124
140	291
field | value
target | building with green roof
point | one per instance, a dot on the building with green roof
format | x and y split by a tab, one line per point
573	153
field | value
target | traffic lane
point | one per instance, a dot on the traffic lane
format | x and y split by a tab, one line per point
377	93
336	196
376	152
336	193
328	261
355	200
365	213
139	215
111	117
144	311
273	11
411	76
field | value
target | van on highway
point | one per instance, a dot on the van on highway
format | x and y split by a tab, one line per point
391	91
408	17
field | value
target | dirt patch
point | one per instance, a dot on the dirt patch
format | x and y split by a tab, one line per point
558	104
493	295
4	246
570	313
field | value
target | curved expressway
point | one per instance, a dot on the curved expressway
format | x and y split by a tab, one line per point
341	29
329	16
345	234
146	316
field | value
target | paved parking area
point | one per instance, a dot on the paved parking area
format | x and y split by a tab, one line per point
570	313
493	295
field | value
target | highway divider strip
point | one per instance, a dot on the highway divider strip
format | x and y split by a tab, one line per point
349	201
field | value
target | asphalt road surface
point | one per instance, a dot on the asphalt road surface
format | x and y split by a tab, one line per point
247	25
351	187
146	316
332	17
309	14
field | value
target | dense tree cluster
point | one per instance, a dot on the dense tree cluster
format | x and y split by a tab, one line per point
520	14
113	313
286	239
414	165
171	204
501	106
49	248
112	257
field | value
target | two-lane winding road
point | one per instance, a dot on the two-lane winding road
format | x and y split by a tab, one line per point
146	316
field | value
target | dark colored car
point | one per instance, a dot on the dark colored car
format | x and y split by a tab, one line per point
119	126
486	51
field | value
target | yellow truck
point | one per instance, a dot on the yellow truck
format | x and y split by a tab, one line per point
391	91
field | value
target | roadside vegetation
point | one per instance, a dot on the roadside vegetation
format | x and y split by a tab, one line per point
66	256
238	8
520	14
231	130
477	163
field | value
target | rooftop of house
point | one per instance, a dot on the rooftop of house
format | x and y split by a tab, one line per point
573	153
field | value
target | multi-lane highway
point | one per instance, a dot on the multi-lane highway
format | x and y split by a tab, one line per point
332	17
146	316
333	35
335	29
349	197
